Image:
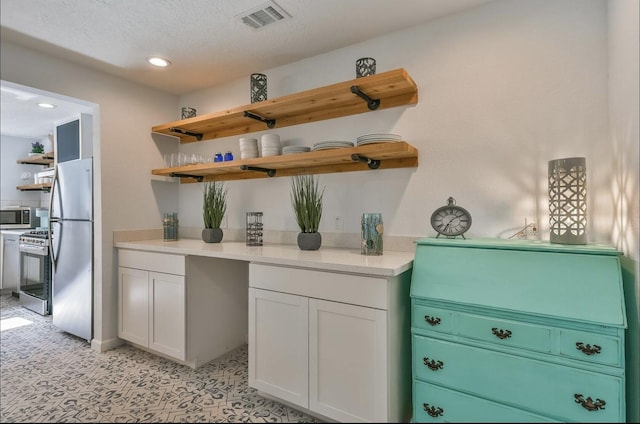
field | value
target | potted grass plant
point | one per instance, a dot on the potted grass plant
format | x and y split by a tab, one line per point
306	199
213	208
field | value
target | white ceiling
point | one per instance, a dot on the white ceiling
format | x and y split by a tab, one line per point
205	40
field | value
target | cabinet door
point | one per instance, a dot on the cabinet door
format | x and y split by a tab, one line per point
9	262
167	314
133	305
278	345
347	361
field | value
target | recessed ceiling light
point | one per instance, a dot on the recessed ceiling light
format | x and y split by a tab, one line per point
160	62
46	105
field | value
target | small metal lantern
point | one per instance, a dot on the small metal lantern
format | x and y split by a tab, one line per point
365	66
258	88
254	228
568	201
188	112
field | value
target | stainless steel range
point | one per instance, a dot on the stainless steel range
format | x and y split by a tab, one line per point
35	271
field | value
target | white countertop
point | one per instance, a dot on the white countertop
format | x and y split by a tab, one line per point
16	232
390	263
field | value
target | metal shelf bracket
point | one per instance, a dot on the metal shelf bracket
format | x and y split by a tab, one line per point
371	103
371	163
270	122
199	178
198	136
270	172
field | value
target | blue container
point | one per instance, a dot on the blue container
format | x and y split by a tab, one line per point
217	157
372	230
228	156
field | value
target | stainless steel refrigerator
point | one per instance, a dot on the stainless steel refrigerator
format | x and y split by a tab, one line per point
71	244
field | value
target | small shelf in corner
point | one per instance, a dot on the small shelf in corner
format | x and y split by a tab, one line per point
35	187
40	159
398	154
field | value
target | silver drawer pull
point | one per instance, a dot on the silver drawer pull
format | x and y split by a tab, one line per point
432	320
587	349
588	403
432	364
432	410
501	334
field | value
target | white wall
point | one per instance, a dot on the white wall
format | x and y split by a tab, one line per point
124	153
11	149
503	89
624	190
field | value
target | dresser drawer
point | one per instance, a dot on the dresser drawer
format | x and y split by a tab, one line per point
591	347
429	318
547	388
505	332
437	404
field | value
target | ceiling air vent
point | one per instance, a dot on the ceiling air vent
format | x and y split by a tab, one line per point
263	15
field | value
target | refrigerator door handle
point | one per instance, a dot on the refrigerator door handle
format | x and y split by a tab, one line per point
54	259
54	185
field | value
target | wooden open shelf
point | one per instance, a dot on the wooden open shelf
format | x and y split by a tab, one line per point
34	187
41	159
390	89
391	155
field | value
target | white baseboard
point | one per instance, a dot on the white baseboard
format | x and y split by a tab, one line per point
105	345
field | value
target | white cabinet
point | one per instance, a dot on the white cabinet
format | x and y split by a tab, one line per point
133	305
9	261
151	309
347	361
335	344
167	314
278	345
187	308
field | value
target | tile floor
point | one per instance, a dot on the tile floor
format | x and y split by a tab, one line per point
47	375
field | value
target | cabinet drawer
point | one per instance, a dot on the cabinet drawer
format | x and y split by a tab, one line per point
591	347
505	332
429	318
437	404
346	288
546	388
152	261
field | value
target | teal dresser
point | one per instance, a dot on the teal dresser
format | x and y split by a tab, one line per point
517	331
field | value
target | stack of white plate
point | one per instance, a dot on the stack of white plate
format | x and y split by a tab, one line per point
287	150
248	148
378	138
270	144
331	144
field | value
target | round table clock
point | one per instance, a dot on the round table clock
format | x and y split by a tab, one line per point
451	220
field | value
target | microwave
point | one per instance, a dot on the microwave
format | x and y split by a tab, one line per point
73	139
18	217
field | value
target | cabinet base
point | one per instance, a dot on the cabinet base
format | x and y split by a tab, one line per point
306	411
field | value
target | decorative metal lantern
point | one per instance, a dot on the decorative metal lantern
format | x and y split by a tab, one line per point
188	112
254	228
568	201
258	88
365	66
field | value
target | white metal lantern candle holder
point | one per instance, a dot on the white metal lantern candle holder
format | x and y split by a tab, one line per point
568	201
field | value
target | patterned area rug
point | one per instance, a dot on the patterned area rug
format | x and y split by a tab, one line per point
47	375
